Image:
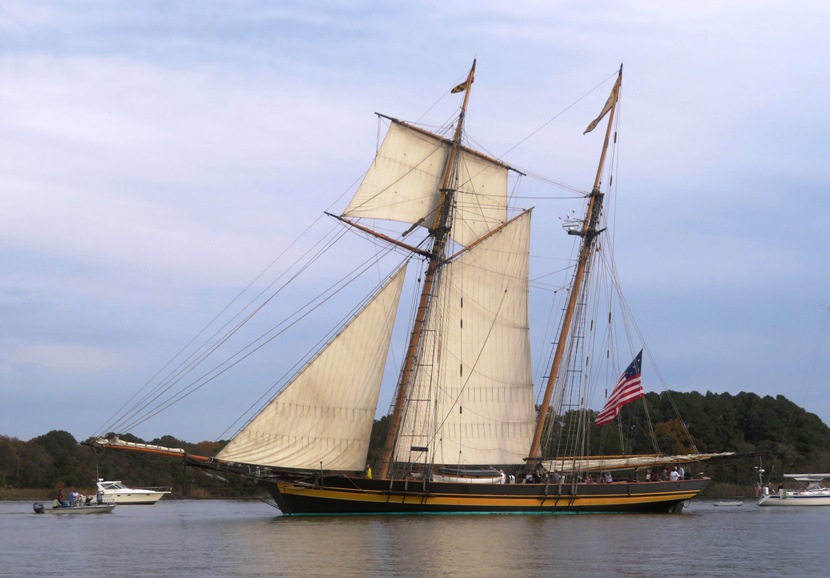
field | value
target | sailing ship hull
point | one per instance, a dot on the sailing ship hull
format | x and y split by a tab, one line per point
342	495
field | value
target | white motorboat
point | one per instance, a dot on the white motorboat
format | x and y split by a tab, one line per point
813	492
117	493
105	508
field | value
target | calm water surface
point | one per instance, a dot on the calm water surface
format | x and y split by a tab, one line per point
248	538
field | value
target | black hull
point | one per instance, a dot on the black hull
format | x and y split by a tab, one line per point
341	495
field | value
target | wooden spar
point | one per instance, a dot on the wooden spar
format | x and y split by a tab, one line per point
589	234
440	233
386	238
117	444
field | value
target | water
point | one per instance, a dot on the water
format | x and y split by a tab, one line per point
177	538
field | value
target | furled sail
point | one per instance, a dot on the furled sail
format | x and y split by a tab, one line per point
573	465
404	184
323	417
471	401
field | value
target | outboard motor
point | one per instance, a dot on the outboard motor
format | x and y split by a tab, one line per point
38	508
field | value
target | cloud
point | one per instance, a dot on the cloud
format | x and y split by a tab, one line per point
157	157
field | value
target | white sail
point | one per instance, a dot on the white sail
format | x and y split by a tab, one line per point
471	401
324	416
404	182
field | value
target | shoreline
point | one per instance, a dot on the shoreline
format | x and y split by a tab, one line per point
40	495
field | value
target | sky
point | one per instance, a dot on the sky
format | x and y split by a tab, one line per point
158	155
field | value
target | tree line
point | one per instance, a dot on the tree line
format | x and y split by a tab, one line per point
767	431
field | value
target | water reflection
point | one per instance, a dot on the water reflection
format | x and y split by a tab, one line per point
218	538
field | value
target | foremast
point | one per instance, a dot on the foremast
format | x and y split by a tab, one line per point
589	233
439	233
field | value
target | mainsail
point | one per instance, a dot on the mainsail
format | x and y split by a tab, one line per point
323	417
471	401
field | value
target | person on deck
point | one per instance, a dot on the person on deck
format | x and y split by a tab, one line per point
59	498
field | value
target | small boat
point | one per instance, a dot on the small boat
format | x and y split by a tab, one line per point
39	508
117	493
489	475
729	503
812	493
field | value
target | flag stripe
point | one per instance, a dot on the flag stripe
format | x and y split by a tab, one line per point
628	388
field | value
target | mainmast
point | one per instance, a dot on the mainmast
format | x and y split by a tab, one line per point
589	233
439	232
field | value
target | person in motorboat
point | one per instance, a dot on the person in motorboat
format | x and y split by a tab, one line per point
59	499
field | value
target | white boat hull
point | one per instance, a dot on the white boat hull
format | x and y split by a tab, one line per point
796	499
467	480
813	494
134	498
117	493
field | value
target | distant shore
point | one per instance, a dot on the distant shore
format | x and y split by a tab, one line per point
41	495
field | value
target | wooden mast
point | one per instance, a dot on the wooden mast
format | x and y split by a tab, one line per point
440	233
589	234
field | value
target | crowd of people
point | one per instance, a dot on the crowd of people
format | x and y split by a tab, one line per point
75	499
673	474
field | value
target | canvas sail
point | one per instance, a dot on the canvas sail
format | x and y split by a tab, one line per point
404	182
471	402
323	417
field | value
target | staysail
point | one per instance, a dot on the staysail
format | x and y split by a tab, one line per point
471	400
324	415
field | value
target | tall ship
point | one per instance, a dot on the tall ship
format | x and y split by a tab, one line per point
466	431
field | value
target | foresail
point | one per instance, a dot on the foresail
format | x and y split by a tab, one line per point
472	398
323	417
404	182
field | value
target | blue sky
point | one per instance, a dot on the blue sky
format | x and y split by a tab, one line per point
157	155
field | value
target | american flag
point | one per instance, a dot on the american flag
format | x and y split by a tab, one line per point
628	388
